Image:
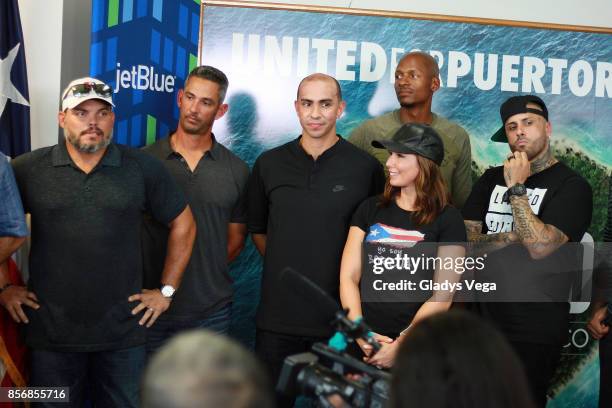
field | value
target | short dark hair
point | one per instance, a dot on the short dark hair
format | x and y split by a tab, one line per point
431	62
320	76
457	359
211	74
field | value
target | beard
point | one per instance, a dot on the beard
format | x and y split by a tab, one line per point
88	147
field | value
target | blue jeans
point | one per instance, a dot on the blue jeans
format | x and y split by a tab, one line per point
167	327
106	378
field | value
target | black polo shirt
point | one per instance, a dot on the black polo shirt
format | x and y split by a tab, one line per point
86	259
305	207
215	191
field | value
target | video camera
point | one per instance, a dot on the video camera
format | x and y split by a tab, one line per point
322	373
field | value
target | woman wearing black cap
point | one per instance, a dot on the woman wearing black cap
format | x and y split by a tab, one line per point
394	272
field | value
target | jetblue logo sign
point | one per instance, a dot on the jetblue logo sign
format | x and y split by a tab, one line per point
144	78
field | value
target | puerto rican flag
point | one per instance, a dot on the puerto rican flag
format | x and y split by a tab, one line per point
386	234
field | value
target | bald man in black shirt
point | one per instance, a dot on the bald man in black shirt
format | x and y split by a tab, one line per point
301	198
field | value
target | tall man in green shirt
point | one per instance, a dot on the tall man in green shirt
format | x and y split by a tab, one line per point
416	79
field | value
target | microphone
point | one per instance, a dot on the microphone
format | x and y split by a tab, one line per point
312	293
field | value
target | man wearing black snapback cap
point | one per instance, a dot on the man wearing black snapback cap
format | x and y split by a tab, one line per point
522	213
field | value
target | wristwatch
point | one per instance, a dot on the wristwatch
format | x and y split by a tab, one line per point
517	190
167	291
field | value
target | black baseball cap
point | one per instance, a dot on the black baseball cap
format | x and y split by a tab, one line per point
415	138
515	105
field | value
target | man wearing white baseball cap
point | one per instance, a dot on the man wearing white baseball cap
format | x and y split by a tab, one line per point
84	89
87	197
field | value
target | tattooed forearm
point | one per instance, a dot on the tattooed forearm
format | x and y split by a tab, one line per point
507	174
480	243
543	162
523	218
473	226
540	239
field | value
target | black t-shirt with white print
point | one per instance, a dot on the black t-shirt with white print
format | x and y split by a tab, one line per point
391	230
559	197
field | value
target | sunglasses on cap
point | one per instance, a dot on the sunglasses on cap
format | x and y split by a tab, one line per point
88	87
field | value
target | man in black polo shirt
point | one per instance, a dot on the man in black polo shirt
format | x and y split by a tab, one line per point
87	197
301	198
214	181
523	213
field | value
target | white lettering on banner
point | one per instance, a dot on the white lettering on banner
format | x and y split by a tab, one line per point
574	76
373	62
346	58
296	56
237	47
604	79
479	81
143	78
533	71
459	65
253	54
557	65
302	59
509	72
278	58
323	47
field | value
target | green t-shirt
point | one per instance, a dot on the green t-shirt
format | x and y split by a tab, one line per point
456	167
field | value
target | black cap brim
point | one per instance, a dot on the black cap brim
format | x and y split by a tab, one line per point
392	146
396	147
515	105
500	136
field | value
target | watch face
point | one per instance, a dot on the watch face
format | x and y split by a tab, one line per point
518	189
167	291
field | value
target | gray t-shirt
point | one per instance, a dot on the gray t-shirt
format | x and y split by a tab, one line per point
215	191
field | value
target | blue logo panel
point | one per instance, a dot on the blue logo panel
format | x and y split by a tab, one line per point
143	48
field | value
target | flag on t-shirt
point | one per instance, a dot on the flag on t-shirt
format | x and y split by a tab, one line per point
14	140
392	235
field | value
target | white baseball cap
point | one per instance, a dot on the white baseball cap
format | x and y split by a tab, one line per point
84	89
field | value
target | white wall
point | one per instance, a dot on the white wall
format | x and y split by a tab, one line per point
42	30
42	25
597	13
